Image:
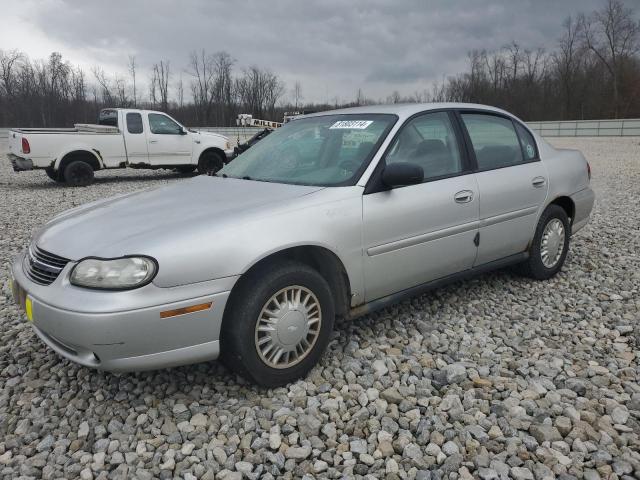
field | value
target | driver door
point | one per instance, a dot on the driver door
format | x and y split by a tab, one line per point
419	233
168	143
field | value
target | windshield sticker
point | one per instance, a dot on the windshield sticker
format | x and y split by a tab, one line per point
352	124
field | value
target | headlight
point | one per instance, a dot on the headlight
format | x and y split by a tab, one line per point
116	274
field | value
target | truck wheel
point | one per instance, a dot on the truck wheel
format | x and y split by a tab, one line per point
550	245
209	163
53	175
78	174
278	323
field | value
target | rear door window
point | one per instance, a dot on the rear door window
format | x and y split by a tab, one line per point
134	123
494	140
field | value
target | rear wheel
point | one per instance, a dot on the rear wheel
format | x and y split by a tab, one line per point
78	174
278	324
53	175
550	245
209	163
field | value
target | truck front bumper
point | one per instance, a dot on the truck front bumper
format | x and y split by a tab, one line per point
20	164
127	339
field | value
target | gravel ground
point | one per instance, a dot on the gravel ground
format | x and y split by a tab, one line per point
494	377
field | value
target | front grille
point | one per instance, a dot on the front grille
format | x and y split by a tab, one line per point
43	267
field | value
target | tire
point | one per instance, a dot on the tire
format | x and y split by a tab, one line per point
186	169
53	175
539	266
209	163
242	341
78	174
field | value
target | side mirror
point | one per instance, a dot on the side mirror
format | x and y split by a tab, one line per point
183	131
401	174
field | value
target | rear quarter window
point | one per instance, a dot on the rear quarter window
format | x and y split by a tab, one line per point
529	148
134	123
108	118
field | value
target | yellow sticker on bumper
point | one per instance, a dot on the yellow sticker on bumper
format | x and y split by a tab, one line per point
28	306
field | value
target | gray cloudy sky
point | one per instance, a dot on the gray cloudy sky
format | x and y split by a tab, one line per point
332	47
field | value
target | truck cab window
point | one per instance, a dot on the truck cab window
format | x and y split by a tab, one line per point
134	123
163	125
108	118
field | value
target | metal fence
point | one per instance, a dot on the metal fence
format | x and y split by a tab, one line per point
588	128
576	128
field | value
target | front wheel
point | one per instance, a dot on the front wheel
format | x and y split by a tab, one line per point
279	322
209	163
550	245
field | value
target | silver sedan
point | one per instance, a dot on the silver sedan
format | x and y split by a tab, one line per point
330	217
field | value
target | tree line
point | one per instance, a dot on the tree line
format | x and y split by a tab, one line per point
593	72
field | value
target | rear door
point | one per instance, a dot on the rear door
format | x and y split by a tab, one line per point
512	181
423	232
135	138
167	142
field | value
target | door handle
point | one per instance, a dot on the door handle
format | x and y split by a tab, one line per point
464	196
153	141
539	182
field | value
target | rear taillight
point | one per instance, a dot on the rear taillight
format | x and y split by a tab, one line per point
26	148
589	170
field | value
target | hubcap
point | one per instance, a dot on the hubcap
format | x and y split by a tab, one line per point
288	327
552	244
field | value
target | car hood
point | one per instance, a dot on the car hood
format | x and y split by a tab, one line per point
143	221
211	135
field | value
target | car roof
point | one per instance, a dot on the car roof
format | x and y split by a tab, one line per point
404	110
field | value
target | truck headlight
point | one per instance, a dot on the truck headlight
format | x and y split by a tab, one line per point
116	274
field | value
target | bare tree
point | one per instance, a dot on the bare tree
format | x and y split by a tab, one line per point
297	94
259	90
132	71
567	61
202	70
180	92
223	86
613	35
121	92
161	73
104	84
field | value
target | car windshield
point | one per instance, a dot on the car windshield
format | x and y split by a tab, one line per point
328	150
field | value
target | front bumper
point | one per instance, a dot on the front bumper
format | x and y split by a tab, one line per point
121	338
20	164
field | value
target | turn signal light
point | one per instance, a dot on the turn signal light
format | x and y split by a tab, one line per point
185	310
589	170
26	148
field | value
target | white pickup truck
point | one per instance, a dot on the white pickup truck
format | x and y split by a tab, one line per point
122	138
